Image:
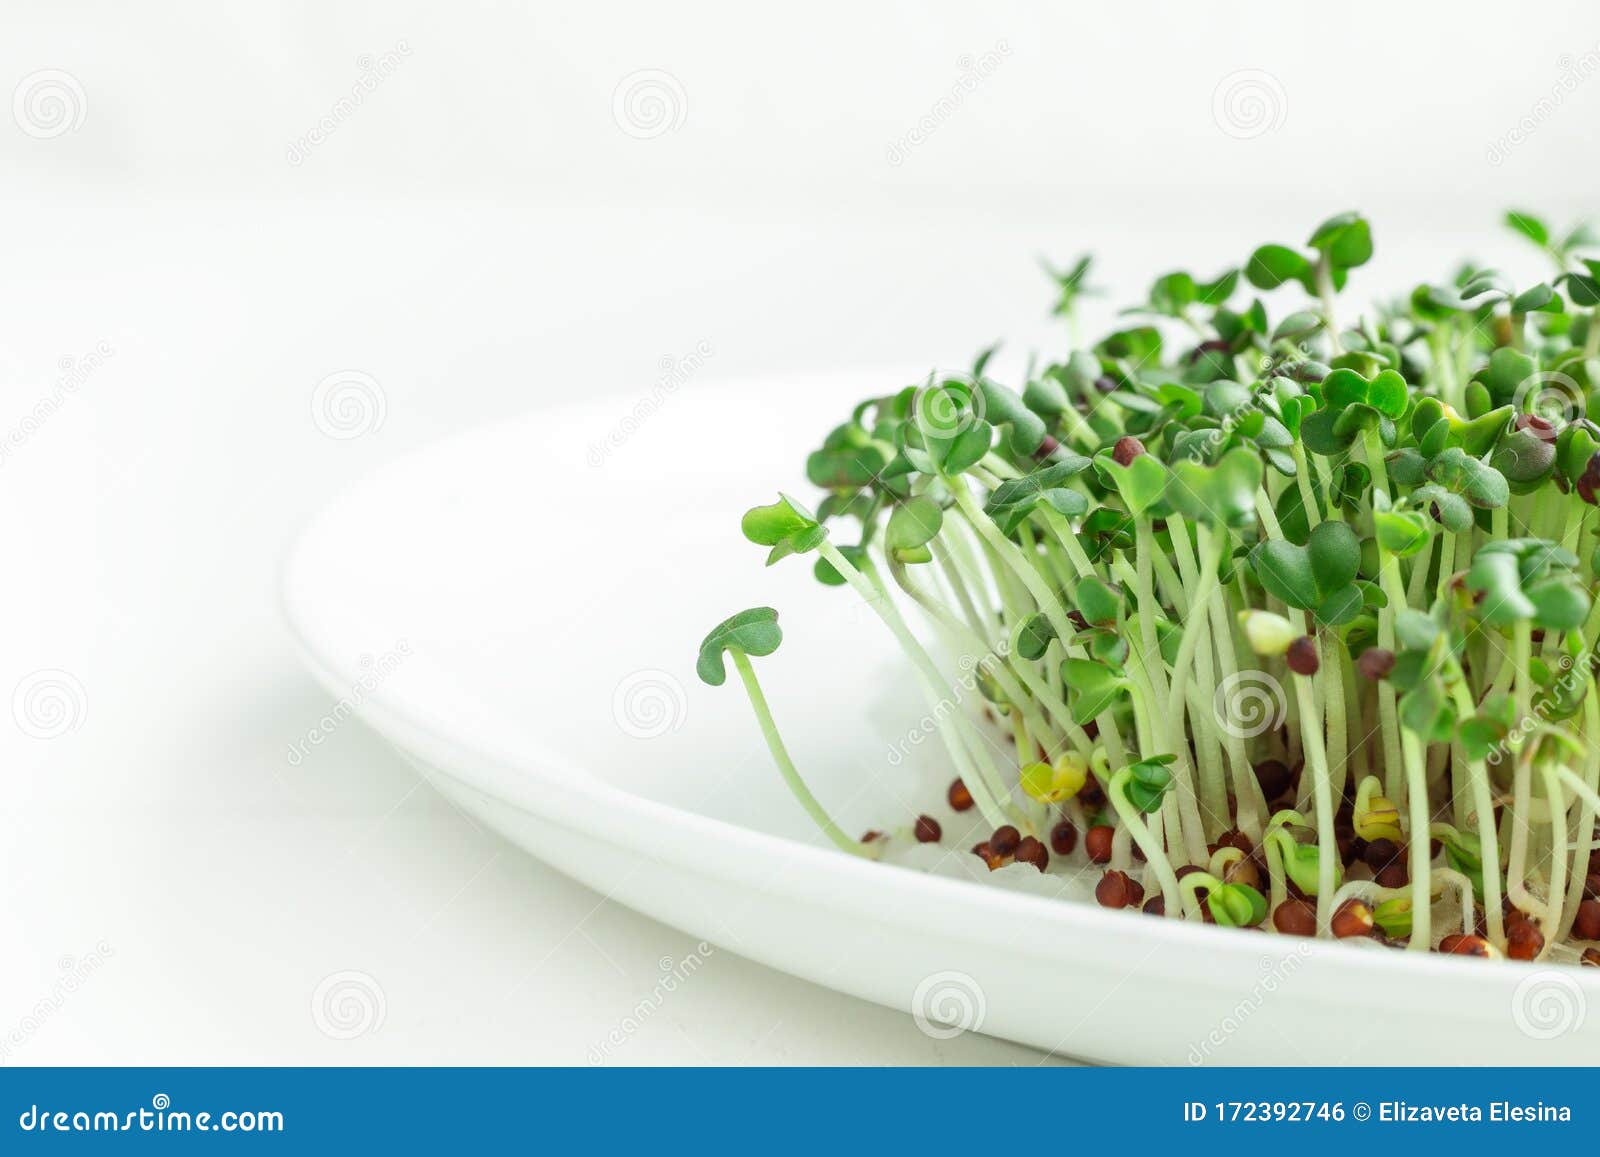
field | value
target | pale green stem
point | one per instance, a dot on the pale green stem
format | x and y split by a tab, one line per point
780	756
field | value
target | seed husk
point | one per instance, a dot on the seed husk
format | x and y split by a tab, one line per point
1458	944
1587	924
1375	663
1097	842
1064	838
959	798
1005	840
1524	941
1274	777
1031	851
1242	872
1126	450
1302	656
1353	918
1118	890
1296	918
1381	853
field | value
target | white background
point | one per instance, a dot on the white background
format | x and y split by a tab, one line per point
493	228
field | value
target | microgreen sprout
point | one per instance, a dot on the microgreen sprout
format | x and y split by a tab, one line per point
1290	611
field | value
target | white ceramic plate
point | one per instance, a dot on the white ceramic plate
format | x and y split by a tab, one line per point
519	611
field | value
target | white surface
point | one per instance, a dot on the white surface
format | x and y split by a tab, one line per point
431	242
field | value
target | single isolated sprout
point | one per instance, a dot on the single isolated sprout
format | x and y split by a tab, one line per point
756	632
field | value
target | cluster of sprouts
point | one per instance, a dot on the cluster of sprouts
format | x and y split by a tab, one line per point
1293	619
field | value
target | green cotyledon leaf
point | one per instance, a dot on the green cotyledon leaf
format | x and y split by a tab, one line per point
785	526
755	632
1012	501
1319	575
1223	495
914	524
1142	483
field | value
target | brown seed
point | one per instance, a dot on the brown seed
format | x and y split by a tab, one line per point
1242	872
1381	853
958	796
1274	777
1524	941
1115	890
1296	918
1591	957
1393	876
981	850
1353	918
1234	839
1302	656
1092	795
1063	838
1375	663
870	836
1031	851
1097	842
1458	945
927	830
1186	870
1591	886
1542	428
1005	840
1587	924
1135	893
1126	450
1155	906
